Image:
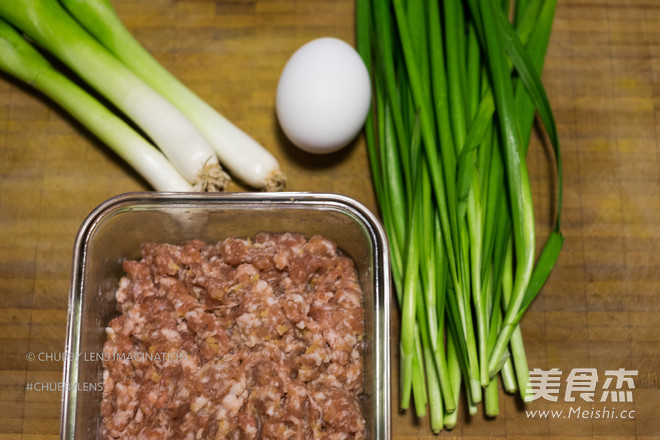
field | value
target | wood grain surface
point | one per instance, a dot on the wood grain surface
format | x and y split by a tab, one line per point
600	310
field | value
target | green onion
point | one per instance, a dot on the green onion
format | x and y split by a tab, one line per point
457	87
52	28
21	60
239	153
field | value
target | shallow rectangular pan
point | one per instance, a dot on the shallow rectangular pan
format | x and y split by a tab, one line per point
115	230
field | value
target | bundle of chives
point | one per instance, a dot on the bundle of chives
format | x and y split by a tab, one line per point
456	89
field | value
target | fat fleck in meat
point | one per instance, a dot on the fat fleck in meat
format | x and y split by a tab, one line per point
264	336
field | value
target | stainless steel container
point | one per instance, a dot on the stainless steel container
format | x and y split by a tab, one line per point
115	230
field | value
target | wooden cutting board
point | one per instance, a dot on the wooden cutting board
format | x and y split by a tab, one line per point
599	312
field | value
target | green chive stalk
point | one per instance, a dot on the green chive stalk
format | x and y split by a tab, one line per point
447	140
385	158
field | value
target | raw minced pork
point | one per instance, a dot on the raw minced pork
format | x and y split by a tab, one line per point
246	338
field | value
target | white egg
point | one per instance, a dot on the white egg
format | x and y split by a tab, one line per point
323	95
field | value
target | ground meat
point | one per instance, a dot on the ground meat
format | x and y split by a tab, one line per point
247	338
